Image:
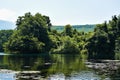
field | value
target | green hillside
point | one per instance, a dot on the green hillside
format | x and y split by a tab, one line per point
85	28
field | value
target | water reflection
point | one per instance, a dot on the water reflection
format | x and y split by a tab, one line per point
64	67
84	75
66	64
25	62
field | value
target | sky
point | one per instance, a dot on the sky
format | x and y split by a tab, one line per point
62	12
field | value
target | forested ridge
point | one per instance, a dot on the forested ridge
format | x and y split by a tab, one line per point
33	34
80	28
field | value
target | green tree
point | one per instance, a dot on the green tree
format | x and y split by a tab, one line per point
47	19
4	37
31	35
99	45
67	46
118	25
68	30
117	48
105	41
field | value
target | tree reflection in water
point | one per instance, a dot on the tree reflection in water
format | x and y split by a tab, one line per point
48	64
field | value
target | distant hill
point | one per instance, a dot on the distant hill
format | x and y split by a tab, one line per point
84	28
5	25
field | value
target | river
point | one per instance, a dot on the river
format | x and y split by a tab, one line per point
49	67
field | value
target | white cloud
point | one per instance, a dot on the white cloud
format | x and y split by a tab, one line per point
9	15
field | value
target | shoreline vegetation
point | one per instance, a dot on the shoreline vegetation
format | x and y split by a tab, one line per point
33	34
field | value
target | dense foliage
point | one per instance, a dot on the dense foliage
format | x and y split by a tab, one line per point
70	41
105	41
33	34
4	37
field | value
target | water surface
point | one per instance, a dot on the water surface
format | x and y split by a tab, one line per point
51	67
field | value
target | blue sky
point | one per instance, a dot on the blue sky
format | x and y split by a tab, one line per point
62	12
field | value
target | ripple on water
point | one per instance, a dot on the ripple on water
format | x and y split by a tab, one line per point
84	75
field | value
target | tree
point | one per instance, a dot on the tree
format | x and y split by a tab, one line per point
105	41
99	45
31	34
4	37
118	25
68	31
68	46
117	48
47	19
